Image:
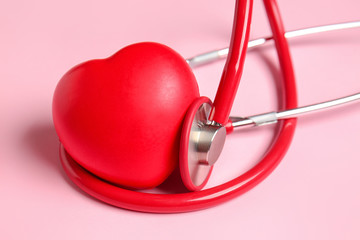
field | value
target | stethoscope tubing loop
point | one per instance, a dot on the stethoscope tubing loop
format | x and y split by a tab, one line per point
191	201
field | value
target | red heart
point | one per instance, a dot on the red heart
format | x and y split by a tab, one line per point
120	118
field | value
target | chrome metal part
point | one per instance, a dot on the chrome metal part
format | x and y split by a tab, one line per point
205	144
210	143
264	119
212	56
273	117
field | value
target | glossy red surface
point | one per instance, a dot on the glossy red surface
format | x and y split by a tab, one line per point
282	47
227	88
209	197
120	118
234	65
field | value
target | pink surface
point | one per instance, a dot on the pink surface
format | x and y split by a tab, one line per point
313	194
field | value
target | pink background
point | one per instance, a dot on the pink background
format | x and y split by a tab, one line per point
313	194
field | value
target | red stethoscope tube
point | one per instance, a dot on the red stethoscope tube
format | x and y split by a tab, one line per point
234	65
171	203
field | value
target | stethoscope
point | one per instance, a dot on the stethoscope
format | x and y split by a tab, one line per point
97	157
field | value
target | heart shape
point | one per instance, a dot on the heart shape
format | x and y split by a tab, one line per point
120	118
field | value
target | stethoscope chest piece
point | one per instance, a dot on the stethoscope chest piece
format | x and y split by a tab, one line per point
202	141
